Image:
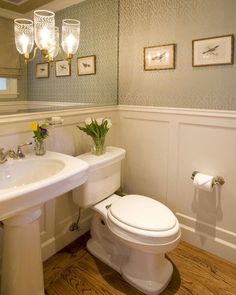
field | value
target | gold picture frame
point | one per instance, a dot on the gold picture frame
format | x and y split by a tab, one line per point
86	65
213	51
159	57
62	68
42	70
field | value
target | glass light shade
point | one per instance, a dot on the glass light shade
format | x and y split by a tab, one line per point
44	26
55	46
70	36
24	36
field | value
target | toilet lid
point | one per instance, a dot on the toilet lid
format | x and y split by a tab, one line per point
143	213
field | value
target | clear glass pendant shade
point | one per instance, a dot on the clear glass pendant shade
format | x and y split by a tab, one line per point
44	27
46	36
55	47
24	36
70	36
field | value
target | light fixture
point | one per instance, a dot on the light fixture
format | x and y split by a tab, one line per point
46	36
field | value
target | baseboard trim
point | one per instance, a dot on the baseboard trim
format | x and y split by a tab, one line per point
221	243
65	237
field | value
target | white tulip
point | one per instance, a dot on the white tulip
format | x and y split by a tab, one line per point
88	121
99	121
109	124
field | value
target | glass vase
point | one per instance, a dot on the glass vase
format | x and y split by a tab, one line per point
98	147
40	147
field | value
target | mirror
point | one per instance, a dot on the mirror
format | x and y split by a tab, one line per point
99	37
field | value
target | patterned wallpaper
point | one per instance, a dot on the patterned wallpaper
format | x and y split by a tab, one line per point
151	22
99	36
22	82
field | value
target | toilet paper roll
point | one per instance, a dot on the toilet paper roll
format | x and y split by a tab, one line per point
203	182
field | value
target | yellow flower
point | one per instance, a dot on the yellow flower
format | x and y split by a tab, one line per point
34	126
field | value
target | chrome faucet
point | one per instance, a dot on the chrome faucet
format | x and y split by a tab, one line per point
19	152
5	155
12	154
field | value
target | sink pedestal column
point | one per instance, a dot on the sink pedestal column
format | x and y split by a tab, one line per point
22	271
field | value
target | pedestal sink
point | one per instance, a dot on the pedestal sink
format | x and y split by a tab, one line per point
25	185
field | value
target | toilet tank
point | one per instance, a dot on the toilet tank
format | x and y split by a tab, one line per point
104	175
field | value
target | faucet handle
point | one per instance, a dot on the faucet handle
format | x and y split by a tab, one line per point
19	150
2	158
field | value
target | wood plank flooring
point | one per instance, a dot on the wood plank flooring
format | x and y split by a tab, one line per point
74	271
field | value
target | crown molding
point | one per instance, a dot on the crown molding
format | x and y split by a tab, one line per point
10	14
55	6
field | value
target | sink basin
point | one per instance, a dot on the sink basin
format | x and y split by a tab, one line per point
25	185
36	179
15	174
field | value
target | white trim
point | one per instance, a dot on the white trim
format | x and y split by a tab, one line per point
213	245
42	104
223	236
179	111
64	237
84	110
4	119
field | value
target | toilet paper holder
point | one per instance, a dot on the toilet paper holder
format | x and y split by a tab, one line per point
218	180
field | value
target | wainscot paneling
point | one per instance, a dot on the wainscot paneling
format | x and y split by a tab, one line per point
164	146
59	213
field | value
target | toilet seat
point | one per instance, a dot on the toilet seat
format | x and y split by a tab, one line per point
126	218
143	213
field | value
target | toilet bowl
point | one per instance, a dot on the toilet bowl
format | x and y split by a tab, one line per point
131	234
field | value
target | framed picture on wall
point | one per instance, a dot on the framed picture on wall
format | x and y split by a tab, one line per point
42	70
213	51
62	68
86	65
161	57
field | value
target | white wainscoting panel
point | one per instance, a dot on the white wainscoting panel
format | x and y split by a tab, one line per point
59	213
164	146
142	138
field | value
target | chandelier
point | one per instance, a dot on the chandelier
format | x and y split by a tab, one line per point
43	32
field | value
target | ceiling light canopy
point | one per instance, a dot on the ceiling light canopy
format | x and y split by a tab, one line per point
46	35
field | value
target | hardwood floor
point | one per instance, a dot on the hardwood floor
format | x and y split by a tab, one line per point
74	271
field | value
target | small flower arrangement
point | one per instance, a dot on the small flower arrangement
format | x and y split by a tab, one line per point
97	129
40	131
40	134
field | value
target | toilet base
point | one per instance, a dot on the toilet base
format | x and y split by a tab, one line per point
97	250
103	244
147	272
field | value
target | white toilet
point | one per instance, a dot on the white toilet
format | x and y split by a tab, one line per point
131	234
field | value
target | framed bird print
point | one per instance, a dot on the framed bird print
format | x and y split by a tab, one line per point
213	51
86	65
62	68
42	70
161	57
